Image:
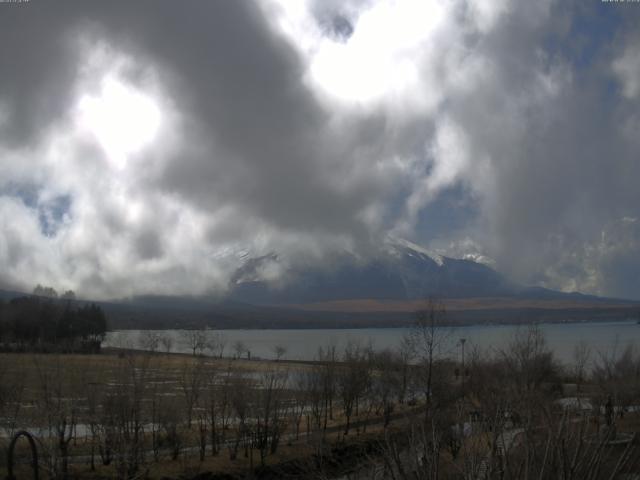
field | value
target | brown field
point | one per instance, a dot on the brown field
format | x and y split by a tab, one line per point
63	384
454	304
113	391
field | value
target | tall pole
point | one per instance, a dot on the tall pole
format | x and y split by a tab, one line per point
462	342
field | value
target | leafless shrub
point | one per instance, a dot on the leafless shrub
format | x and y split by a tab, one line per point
149	340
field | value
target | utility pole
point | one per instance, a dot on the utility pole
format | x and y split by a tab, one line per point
462	342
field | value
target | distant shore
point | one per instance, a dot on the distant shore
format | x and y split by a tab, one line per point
349	320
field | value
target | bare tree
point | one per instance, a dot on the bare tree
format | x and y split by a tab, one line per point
617	373
195	340
352	379
123	415
213	409
170	420
224	401
12	386
581	357
386	381
279	351
327	358
94	401
301	398
428	340
270	411
149	340
529	360
192	379
239	348
155	409
216	343
166	340
404	355
60	408
417	451
239	399
313	385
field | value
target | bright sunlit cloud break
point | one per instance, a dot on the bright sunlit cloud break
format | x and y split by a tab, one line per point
121	118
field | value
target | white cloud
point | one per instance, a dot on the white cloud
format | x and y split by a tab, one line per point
627	69
486	13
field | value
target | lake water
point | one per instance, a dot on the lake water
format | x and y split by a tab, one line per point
562	338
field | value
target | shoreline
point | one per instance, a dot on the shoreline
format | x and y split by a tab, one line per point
626	320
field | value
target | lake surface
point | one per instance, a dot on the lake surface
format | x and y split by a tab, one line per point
562	338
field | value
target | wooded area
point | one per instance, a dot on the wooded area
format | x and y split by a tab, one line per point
45	324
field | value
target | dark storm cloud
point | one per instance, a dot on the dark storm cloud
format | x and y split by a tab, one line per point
260	140
563	163
38	68
256	153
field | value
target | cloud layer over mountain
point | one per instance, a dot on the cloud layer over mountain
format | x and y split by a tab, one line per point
148	147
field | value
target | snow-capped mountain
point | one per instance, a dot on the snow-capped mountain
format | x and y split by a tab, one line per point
400	271
352	290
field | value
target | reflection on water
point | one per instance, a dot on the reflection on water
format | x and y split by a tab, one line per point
304	344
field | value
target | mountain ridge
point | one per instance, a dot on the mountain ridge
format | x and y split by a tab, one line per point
402	271
351	292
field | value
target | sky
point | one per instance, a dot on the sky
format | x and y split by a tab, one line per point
153	146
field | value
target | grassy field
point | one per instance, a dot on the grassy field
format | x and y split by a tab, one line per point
160	409
40	391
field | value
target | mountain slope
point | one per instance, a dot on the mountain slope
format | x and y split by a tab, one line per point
351	292
402	271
